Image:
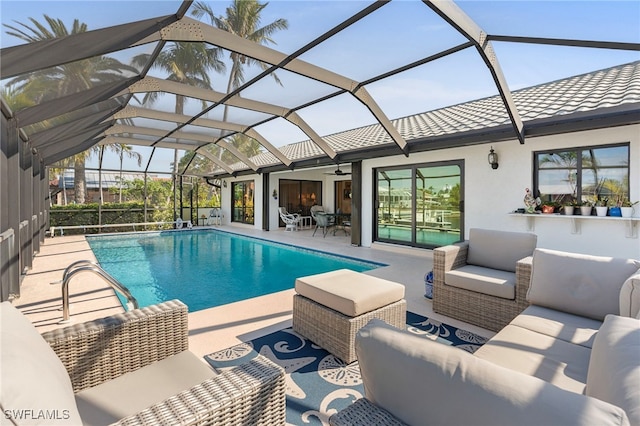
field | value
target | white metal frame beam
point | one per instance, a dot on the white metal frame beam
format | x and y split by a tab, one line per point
121	129
190	30
459	20
133	112
135	141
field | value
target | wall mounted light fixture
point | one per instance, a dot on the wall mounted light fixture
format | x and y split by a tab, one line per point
493	159
224	183
275	194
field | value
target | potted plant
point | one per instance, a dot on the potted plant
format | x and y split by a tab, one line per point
585	208
626	207
569	207
601	207
548	207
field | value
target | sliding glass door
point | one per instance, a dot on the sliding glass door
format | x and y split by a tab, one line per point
242	200
420	205
297	196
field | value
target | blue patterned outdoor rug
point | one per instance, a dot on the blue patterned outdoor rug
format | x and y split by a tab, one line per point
318	384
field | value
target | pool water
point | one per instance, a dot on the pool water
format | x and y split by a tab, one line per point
207	268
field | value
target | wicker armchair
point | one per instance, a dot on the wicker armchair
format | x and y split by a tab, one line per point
102	350
478	307
291	220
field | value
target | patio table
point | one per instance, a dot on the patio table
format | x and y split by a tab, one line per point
341	219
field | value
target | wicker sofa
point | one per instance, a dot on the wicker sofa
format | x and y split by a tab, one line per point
571	358
483	280
132	369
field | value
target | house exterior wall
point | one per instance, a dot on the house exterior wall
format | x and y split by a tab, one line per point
490	195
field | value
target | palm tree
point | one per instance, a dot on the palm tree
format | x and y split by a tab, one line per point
16	99
187	63
243	19
122	150
65	79
58	170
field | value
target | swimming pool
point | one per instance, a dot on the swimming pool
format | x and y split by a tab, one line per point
207	268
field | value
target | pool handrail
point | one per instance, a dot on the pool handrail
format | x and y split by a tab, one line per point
53	229
88	265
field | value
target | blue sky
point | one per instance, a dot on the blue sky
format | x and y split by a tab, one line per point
398	33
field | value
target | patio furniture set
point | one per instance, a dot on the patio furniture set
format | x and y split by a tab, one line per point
326	220
569	357
323	220
130	369
566	354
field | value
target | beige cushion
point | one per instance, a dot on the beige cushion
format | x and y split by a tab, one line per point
614	369
349	292
630	297
494	282
552	360
559	325
133	392
432	383
33	378
499	249
580	284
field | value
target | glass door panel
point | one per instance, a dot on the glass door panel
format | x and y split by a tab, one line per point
310	195
394	205
290	195
343	196
419	205
297	196
242	193
438	217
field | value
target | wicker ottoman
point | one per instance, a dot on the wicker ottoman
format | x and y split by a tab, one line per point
330	308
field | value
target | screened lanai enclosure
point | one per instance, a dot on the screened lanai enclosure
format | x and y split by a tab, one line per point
139	112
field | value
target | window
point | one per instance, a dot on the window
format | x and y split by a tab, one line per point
586	174
242	193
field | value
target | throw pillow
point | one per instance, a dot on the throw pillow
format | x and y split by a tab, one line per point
579	284
614	367
420	381
630	297
499	249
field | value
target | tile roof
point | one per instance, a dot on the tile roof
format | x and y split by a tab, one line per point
587	92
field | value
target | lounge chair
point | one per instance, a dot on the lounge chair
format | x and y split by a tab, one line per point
483	280
180	224
215	216
133	368
291	220
322	220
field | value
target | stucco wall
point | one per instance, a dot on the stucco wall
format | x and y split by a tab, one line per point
491	194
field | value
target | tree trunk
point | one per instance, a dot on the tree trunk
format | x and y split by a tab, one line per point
79	181
179	111
64	188
120	183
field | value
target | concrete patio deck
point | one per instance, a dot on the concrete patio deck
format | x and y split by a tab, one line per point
224	326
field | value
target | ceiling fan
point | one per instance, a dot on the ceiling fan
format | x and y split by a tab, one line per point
338	172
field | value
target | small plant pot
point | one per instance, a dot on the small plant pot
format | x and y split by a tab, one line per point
585	210
547	209
615	212
601	210
627	211
568	210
